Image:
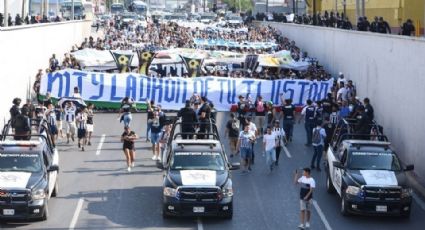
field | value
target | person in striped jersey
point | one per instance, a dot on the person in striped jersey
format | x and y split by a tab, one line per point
51	121
82	128
70	127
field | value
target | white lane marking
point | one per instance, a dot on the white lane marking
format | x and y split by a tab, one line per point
419	201
76	214
321	215
99	147
200	226
287	152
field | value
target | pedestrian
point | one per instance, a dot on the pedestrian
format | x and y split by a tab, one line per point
307	185
156	129
281	139
288	110
242	109
128	138
253	129
59	118
369	109
90	122
319	135
204	118
269	145
188	120
260	113
125	111
408	29
163	141
308	113
232	132
82	128
70	127
51	122
383	26
244	146
151	109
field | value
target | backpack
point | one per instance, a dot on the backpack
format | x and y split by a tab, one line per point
259	106
316	136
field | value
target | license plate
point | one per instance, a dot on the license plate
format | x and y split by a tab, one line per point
8	212
381	208
198	209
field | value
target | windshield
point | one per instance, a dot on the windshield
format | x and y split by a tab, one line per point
373	161
20	162
197	161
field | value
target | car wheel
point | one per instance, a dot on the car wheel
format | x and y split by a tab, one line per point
56	189
229	214
344	206
165	214
46	212
405	214
329	186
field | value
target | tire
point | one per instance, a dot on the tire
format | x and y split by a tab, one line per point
229	213
405	215
344	206
165	214
329	186
46	212
55	189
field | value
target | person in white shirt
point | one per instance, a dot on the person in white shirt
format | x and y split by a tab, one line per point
307	184
253	129
319	135
269	145
342	94
280	139
76	92
70	127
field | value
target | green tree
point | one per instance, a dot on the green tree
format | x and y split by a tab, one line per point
245	4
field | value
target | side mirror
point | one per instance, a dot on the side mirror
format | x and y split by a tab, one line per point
53	168
159	165
235	166
409	168
337	164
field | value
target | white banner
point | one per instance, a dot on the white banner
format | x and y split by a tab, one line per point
171	93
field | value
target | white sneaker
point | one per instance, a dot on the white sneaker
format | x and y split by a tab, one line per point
154	157
307	225
301	226
132	164
158	158
129	169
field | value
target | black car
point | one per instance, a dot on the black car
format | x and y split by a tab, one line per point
367	174
197	178
28	176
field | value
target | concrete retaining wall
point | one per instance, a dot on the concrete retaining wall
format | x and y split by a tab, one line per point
390	70
25	49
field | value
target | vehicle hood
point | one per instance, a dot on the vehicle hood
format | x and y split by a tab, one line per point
378	177
198	177
19	180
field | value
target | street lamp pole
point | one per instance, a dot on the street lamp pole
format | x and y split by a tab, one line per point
345	8
6	16
267	6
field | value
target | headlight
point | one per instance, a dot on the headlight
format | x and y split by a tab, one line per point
38	194
406	192
352	190
227	189
171	192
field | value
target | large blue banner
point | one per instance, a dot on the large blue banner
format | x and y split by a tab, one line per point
172	92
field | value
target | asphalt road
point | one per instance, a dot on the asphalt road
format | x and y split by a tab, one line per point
96	191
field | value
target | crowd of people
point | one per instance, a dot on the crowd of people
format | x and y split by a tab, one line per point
337	20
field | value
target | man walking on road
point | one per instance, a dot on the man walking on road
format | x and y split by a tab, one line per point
244	146
269	144
319	135
307	184
232	132
281	139
309	113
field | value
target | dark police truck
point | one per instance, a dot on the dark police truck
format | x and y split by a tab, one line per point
367	173
29	166
197	178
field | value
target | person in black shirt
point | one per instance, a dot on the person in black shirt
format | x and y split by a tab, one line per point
383	26
189	119
156	129
204	115
288	111
151	109
374	25
369	110
242	109
128	138
125	111
15	111
232	132
22	125
408	28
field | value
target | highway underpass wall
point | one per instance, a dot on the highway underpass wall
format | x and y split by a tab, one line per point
390	70
25	49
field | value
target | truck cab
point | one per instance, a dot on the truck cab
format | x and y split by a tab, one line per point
197	177
28	174
367	173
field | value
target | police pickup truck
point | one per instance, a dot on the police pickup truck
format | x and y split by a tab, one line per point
367	174
197	178
28	176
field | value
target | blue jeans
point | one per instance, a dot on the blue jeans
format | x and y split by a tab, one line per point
270	157
148	129
309	126
317	156
127	119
